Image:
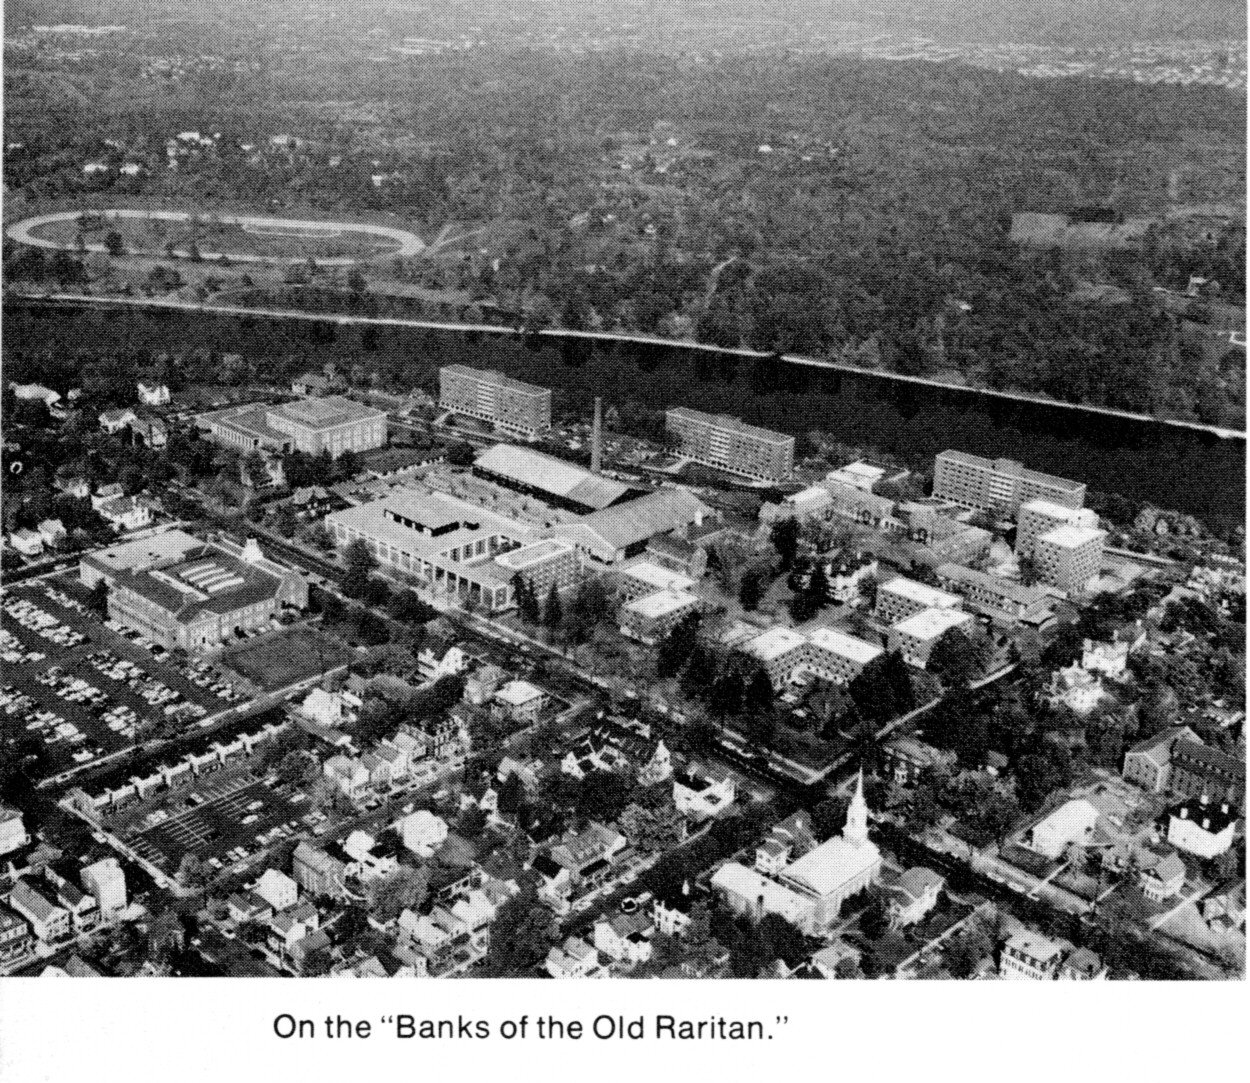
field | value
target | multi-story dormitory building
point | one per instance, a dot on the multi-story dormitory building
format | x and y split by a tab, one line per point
999	485
732	445
511	406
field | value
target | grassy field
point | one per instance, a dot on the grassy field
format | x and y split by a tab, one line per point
287	658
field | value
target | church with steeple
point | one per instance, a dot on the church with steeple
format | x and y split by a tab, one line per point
810	890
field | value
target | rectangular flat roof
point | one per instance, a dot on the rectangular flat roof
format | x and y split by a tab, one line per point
1010	466
656	576
931	623
843	645
328	412
724	421
661	603
1072	537
171	545
528	555
1049	508
494	376
773	643
921	593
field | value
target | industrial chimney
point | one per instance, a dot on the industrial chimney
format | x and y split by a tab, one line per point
596	438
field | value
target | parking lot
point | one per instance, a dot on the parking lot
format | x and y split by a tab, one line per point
223	819
85	690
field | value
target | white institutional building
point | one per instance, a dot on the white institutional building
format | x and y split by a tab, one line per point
810	891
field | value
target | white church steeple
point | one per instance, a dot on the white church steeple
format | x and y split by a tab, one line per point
856	830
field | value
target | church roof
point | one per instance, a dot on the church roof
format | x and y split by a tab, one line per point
831	865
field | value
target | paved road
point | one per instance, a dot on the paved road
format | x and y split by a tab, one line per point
409	243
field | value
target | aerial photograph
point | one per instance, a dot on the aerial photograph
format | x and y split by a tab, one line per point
624	489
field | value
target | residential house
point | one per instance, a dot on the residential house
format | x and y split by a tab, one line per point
1224	910
625	938
105	493
700	793
520	702
52	531
248	907
1202	827
48	921
907	757
105	880
126	513
153	393
301	953
27	542
1082	965
482	684
671	915
837	959
575	958
291	926
786	842
440	656
113	421
16	942
912	896
1162	879
1031	957
349	775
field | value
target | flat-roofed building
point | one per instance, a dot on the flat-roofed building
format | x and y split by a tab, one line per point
154	551
543	564
999	486
838	657
650	618
445	543
866	475
555	482
1004	600
729	444
914	636
780	651
334	424
644	577
901	598
201	601
511	406
826	653
1068	557
1039	517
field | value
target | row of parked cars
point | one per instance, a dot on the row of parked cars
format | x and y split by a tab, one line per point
41	622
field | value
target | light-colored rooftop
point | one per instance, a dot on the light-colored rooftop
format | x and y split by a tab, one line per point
843	645
921	593
1072	537
748	884
930	623
662	603
656	576
170	546
548	474
328	412
1050	509
518	693
773	643
529	555
832	864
